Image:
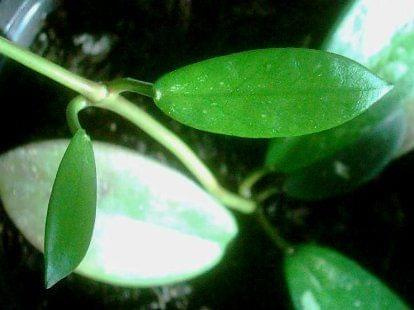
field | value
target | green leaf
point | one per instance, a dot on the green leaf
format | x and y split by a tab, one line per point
351	166
320	278
269	93
287	155
71	211
153	226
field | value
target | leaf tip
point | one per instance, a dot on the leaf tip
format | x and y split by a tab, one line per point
51	278
387	88
53	273
49	284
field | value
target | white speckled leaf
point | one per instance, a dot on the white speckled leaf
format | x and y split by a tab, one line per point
380	35
153	226
319	278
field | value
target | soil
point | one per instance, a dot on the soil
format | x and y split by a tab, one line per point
144	39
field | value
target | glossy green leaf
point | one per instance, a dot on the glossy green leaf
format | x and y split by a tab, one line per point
153	225
388	53
320	278
269	93
287	155
351	166
71	211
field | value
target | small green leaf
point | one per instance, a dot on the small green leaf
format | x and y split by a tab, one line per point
269	93
352	166
71	211
320	278
154	226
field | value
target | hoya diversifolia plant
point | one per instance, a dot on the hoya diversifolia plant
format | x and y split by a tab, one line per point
85	204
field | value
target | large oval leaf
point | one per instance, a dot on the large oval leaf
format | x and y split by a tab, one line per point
71	211
153	225
388	53
351	166
320	278
268	93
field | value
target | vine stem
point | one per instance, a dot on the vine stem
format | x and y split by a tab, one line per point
74	107
131	85
89	89
174	144
98	95
245	188
273	233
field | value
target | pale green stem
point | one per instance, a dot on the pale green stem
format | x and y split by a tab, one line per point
266	194
74	107
89	89
174	144
245	188
132	85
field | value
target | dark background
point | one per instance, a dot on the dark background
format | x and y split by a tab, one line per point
147	39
